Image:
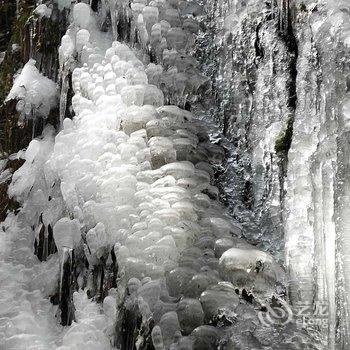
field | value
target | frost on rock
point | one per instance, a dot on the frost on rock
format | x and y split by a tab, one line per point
36	94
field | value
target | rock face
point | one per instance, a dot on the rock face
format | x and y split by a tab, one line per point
255	87
122	196
282	81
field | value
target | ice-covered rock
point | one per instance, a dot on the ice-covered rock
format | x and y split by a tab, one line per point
35	93
220	301
251	268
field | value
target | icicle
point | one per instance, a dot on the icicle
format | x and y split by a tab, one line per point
34	124
46	245
30	40
283	9
64	93
17	8
281	15
342	221
114	16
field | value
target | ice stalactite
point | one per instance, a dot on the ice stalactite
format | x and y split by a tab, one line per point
284	13
342	225
314	206
64	77
66	66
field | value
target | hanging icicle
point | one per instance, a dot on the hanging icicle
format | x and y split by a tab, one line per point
64	77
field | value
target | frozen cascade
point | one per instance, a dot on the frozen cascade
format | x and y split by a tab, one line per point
121	206
286	116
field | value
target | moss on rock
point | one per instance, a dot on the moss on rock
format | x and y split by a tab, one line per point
284	139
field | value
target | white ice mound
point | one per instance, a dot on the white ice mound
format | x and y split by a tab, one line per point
28	180
88	330
43	11
35	93
81	15
66	233
250	268
82	38
66	49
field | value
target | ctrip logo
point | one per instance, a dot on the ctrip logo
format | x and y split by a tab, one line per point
279	313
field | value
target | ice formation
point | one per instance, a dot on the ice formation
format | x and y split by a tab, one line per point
36	94
43	11
63	4
283	102
121	206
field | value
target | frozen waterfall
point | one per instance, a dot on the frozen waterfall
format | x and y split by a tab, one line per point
189	186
